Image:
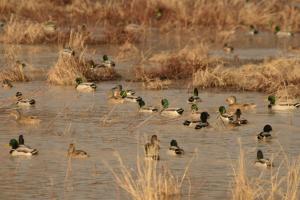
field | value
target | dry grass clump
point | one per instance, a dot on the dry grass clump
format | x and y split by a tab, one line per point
156	84
128	50
266	77
149	181
274	187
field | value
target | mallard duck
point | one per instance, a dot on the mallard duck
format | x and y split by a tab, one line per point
224	116
152	148
23	102
21	150
50	26
129	98
147	109
281	105
261	162
238	120
233	105
265	134
253	30
227	48
195	98
68	51
85	86
203	121
106	62
22	143
73	153
166	111
115	92
25	119
280	33
6	84
174	149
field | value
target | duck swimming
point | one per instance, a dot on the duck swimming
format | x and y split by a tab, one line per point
106	62
174	149
265	134
21	150
203	121
73	153
261	161
280	33
24	119
233	105
146	109
85	86
238	120
224	116
152	148
23	102
6	84
130	98
274	105
171	112
195	98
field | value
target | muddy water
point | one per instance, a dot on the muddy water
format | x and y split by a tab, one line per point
69	116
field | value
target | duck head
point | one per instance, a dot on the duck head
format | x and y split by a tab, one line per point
222	110
259	155
231	100
141	103
154	139
277	29
174	143
196	92
21	139
267	128
13	143
78	80
204	116
194	108
105	58
123	94
271	100
165	103
19	94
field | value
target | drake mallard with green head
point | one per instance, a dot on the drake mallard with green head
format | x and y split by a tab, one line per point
21	101
238	120
74	153
6	84
130	98
224	116
21	150
146	109
195	98
282	105
266	133
170	112
203	121
280	33
85	86
106	62
174	149
261	161
233	105
152	148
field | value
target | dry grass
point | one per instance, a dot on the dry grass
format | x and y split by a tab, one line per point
269	76
274	187
149	181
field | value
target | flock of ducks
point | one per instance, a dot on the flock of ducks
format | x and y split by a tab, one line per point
199	120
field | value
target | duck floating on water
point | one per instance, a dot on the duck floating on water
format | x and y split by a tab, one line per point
280	33
195	98
106	62
22	101
203	121
20	149
85	86
73	153
130	98
224	116
261	161
146	109
238	120
152	148
274	105
171	112
6	84
233	105
20	118
265	134
174	149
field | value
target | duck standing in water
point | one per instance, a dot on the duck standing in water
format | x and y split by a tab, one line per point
73	153
233	105
21	150
23	102
85	86
195	98
281	105
174	149
171	112
265	134
261	161
146	109
203	121
152	148
6	84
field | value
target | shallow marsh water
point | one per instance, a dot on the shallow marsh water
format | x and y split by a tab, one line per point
69	116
